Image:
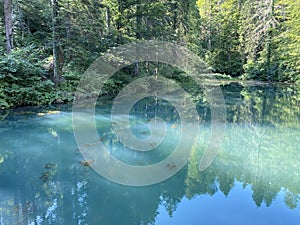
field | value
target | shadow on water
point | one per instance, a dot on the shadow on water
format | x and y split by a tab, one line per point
45	180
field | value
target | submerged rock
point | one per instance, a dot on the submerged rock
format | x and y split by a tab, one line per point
45	176
50	166
87	162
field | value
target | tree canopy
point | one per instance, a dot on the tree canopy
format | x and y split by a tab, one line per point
57	40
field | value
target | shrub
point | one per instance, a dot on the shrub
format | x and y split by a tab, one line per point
23	80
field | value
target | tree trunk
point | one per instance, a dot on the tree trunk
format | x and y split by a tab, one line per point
175	17
56	70
138	35
68	33
118	22
108	18
8	24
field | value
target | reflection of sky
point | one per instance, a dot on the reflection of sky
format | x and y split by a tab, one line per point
81	203
50	213
237	208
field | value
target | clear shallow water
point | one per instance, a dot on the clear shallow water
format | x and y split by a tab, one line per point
254	180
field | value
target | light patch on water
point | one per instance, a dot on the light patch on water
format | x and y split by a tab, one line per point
39	220
51	214
1	220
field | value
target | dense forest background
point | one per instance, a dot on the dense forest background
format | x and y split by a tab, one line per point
46	45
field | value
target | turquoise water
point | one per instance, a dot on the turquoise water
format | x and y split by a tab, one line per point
255	178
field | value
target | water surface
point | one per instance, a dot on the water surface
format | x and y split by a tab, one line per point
255	178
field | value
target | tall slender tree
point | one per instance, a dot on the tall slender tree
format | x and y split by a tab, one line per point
8	24
56	70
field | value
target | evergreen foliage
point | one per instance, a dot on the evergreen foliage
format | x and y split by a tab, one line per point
53	42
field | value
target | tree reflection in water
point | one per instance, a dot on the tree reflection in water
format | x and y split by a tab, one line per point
260	150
